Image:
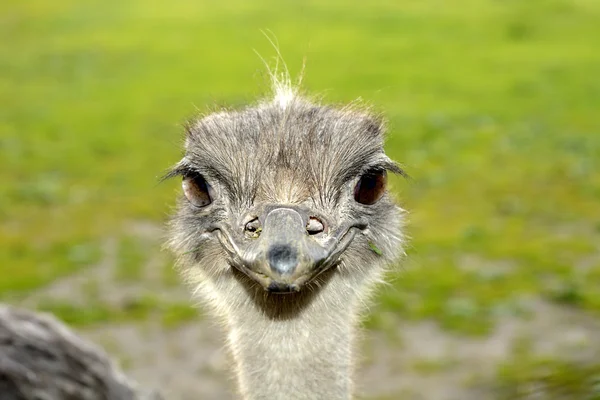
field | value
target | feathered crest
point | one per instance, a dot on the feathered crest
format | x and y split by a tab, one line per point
284	90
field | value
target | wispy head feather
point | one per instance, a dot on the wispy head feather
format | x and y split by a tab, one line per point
284	91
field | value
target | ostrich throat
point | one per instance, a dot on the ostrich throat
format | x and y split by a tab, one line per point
290	346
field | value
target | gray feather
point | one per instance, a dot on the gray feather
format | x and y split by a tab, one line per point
41	359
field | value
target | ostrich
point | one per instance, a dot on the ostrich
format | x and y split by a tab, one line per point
283	229
41	359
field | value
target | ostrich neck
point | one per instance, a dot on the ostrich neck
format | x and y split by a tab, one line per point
285	348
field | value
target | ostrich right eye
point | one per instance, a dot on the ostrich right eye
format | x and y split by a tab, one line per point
197	190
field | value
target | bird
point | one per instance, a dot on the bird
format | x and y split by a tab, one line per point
283	230
42	359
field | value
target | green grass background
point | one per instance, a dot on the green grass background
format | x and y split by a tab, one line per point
493	108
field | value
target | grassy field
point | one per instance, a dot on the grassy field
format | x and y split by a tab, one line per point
493	108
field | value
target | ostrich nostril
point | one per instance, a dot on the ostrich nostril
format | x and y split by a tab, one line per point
314	226
283	259
253	228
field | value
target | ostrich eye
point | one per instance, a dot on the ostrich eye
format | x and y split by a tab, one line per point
197	190
370	187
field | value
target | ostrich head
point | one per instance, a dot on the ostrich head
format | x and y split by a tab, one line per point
285	194
286	197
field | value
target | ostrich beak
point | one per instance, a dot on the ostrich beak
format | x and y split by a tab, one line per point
285	257
286	253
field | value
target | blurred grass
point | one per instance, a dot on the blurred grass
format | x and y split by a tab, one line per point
547	378
141	308
493	109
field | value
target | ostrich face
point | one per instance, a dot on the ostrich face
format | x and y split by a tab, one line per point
284	192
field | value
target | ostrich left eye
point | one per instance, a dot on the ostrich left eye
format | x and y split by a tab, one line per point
197	190
370	187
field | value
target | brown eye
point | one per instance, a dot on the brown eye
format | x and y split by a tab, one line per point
197	190
370	187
